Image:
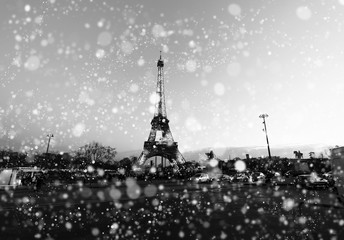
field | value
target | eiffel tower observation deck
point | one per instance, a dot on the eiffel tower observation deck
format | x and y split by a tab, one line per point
160	140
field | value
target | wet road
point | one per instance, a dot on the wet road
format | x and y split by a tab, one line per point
171	210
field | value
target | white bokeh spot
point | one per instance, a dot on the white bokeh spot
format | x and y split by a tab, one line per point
240	166
304	13
78	129
104	39
100	53
134	88
154	98
191	65
32	63
234	9
219	89
193	125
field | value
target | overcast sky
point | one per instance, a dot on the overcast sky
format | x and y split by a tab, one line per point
86	70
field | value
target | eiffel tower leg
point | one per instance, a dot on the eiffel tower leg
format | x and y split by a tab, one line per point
138	165
174	165
142	159
179	157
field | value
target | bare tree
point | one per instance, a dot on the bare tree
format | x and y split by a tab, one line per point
96	152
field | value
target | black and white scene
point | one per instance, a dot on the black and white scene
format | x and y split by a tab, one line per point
171	119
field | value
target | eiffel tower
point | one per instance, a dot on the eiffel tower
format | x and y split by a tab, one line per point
160	141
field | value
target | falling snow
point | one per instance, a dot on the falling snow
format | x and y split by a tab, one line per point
79	91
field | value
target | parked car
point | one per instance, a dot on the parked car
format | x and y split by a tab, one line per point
227	178
279	179
329	177
256	178
222	178
200	168
78	176
241	177
200	178
311	181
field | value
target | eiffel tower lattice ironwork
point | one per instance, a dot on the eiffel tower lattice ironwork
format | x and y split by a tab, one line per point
160	141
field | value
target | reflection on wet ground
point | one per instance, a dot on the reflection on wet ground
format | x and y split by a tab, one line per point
171	210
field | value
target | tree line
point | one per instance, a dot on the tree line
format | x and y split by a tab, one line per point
92	154
98	156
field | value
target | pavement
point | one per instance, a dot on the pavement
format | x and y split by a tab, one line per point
163	209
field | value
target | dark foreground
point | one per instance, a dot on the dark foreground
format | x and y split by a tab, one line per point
171	210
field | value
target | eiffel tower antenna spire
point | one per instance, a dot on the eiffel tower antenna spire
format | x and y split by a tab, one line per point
160	105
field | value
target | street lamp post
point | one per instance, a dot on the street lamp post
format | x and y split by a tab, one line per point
49	136
266	132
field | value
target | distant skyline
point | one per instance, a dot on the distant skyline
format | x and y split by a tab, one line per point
86	71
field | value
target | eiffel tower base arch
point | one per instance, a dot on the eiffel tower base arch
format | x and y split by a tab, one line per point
166	150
